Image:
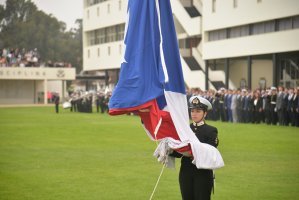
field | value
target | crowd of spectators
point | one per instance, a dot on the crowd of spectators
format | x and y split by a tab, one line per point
10	57
276	106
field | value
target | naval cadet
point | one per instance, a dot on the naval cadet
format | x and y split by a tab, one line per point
197	184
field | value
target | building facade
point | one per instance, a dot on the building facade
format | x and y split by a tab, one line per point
32	85
233	44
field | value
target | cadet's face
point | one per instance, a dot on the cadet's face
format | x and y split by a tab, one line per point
197	115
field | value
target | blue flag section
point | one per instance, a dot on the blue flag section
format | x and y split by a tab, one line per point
151	83
171	50
141	76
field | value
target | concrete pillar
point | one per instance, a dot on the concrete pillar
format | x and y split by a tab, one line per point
63	91
249	70
226	73
274	69
45	91
207	74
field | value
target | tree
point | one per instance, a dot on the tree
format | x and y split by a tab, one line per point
22	25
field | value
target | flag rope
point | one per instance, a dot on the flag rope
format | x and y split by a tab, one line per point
157	182
162	170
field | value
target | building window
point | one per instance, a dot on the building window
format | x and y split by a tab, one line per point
218	35
284	24
296	22
262	83
254	29
92	38
263	27
182	43
120	29
108	8
269	26
93	2
258	28
101	36
96	37
105	35
235	2
119	5
109	50
243	83
213	35
222	34
189	43
110	34
239	31
213	5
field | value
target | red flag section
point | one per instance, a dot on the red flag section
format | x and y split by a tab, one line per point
157	122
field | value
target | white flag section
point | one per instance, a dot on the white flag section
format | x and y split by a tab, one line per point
205	155
151	83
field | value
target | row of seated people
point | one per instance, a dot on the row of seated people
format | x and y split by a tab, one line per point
26	58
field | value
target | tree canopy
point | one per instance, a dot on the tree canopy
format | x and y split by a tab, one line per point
22	25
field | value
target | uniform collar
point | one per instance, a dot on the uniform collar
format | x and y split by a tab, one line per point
198	124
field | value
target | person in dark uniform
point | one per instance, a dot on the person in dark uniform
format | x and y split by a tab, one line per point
267	105
102	102
286	119
97	101
197	184
56	101
222	105
273	111
294	108
257	107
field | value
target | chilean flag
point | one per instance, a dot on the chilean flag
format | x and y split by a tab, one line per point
151	82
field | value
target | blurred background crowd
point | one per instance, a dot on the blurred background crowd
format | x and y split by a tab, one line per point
10	57
276	106
272	106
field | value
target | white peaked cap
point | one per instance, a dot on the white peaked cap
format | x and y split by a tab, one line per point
201	100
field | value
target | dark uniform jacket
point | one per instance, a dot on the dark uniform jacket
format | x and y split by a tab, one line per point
196	184
206	134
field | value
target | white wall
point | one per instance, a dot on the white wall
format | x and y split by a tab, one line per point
16	92
99	17
107	17
104	60
246	12
28	91
260	69
58	86
275	42
191	25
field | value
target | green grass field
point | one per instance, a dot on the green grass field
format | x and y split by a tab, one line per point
76	156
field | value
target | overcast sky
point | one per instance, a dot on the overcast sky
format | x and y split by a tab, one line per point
64	10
